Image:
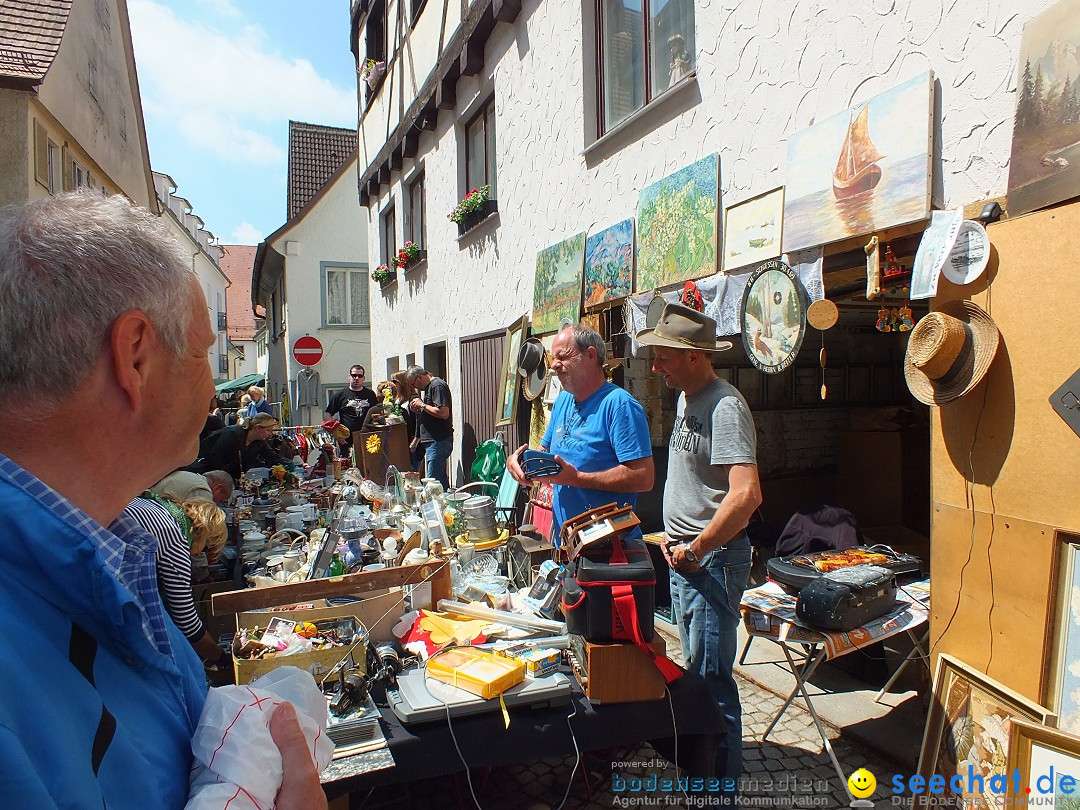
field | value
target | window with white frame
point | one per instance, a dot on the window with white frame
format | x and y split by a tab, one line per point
480	150
416	220
644	47
346	300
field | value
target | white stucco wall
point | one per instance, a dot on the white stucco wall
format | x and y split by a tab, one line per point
765	70
331	232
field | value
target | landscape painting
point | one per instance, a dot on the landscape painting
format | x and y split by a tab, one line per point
557	293
1045	165
677	226
609	264
862	170
752	230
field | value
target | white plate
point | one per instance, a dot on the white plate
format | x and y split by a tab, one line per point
969	255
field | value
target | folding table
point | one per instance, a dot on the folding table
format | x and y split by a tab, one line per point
768	612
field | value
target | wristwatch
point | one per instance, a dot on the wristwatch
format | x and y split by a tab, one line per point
689	555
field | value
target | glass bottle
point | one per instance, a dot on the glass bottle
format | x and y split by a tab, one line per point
454	516
337	567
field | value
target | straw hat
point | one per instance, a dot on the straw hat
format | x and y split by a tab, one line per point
532	366
680	327
949	352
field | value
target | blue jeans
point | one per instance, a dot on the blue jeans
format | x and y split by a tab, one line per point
436	455
705	605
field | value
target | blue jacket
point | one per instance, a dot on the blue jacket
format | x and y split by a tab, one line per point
92	714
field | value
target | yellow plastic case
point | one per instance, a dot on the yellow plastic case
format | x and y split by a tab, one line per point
476	671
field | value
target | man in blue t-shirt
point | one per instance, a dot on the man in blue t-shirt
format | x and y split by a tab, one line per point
597	432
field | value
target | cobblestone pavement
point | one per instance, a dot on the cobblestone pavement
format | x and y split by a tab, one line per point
790	770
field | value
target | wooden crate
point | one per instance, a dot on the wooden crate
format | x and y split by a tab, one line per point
619	672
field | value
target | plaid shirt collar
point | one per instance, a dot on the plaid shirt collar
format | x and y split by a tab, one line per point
126	550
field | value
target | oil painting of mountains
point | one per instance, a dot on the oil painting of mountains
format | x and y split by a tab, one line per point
861	170
557	293
677	226
1045	165
609	264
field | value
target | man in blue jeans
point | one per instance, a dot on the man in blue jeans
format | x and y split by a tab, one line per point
711	493
436	421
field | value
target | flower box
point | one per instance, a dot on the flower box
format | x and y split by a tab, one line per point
474	218
418	258
383	276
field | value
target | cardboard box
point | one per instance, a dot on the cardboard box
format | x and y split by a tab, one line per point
379	613
482	673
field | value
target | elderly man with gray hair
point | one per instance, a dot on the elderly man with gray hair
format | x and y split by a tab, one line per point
436	421
597	431
103	324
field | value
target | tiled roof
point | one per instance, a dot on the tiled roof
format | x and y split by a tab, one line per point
315	153
237	262
30	34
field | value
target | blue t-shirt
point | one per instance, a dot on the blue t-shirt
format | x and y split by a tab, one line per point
605	430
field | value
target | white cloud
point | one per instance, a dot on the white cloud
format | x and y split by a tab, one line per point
246	234
223	8
229	91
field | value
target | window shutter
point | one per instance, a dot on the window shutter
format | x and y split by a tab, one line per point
69	171
41	154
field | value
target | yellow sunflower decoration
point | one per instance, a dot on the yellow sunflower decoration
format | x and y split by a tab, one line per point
373	445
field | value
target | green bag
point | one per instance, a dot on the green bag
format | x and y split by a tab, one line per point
490	461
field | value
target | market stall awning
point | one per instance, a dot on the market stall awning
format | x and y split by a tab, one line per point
240	383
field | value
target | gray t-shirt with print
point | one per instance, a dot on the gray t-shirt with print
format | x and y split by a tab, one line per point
712	428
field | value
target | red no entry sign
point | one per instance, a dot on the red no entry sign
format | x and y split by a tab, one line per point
307	350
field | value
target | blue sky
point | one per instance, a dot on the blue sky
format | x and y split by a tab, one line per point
220	80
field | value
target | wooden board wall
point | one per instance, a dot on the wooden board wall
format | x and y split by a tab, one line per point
1003	455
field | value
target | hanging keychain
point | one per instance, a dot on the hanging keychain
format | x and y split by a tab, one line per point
822	315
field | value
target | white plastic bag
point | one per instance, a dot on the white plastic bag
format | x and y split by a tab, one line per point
237	763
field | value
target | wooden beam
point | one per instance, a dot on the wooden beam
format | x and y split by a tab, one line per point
364	198
446	94
395	160
428	119
506	10
437	573
472	57
410	144
384	174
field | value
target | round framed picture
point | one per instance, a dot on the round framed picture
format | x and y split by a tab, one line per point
773	317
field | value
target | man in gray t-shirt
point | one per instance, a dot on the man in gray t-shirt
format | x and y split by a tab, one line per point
712	490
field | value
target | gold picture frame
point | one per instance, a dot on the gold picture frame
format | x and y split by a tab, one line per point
1035	751
753	230
509	381
969	724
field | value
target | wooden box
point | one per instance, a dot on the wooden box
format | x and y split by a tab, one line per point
393	449
318	662
619	672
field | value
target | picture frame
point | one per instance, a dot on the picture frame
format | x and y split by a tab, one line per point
1061	667
753	230
554	386
1036	751
509	381
969	724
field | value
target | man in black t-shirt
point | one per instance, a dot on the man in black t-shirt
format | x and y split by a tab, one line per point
436	421
352	403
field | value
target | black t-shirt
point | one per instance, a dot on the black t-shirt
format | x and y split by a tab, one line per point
350	406
432	428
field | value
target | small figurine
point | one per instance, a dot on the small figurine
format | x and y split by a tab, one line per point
904	321
884	320
680	62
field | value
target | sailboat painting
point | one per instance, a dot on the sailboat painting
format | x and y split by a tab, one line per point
862	170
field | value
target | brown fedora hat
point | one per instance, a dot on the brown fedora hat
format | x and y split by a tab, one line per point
680	327
949	352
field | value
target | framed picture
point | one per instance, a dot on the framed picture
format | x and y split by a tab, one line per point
1044	167
1061	689
753	230
609	264
862	170
969	724
676	226
557	292
554	386
508	381
773	317
1049	763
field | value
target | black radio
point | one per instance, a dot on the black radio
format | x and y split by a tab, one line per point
847	598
